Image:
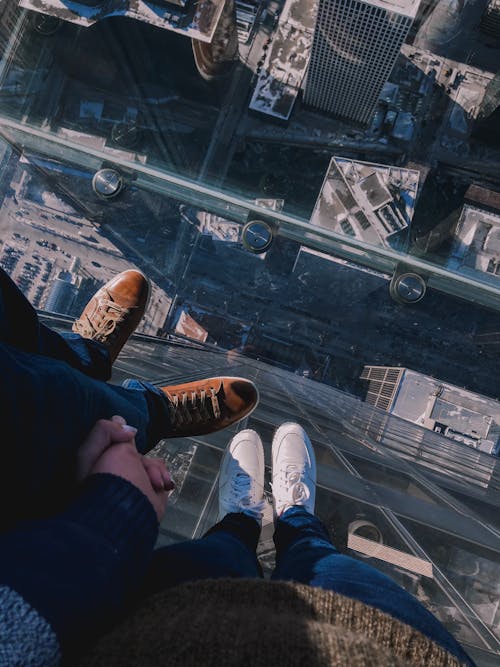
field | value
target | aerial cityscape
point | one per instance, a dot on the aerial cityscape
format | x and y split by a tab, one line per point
312	188
370	122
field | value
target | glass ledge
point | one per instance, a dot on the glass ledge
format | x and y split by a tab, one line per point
473	286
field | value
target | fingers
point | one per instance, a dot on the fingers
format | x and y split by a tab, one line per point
109	431
161	483
148	475
155	476
110	447
105	433
118	419
158	474
120	431
160	503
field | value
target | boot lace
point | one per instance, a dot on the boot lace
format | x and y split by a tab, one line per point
194	407
242	494
103	324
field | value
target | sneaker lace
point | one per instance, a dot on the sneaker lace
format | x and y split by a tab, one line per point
290	479
242	492
104	323
194	407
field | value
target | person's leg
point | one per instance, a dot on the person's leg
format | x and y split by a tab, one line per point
304	553
228	549
20	327
47	409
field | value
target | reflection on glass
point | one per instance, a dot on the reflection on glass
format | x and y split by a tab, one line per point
391	478
473	570
347	519
73	77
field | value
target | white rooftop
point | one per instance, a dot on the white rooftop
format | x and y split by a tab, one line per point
286	61
476	242
198	20
369	201
404	7
435	404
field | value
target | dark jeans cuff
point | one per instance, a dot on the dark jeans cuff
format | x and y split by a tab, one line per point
158	411
296	524
88	356
244	527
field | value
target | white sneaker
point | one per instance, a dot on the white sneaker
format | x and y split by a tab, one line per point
241	476
294	469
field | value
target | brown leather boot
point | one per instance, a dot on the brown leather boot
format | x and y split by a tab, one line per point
205	406
114	311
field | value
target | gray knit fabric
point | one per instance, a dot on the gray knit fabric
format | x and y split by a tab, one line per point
26	639
257	623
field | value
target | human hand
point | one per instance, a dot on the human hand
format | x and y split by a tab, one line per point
106	432
158	474
148	475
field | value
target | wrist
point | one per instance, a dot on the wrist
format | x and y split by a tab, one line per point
112	507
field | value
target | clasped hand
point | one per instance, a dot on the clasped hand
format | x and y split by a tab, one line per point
110	448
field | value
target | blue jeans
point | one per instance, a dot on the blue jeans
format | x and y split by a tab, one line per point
304	553
53	390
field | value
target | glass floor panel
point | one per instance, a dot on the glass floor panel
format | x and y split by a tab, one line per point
352	271
380	498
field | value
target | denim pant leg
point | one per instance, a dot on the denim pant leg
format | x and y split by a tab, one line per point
20	327
226	550
46	409
305	554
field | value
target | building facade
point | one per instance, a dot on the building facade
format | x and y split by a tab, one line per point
490	22
354	49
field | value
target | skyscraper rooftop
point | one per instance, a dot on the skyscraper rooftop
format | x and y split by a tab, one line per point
198	20
405	7
354	50
370	201
441	407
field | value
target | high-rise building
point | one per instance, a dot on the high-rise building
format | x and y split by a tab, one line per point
355	47
12	23
62	295
487	126
216	58
368	201
454	412
490	22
